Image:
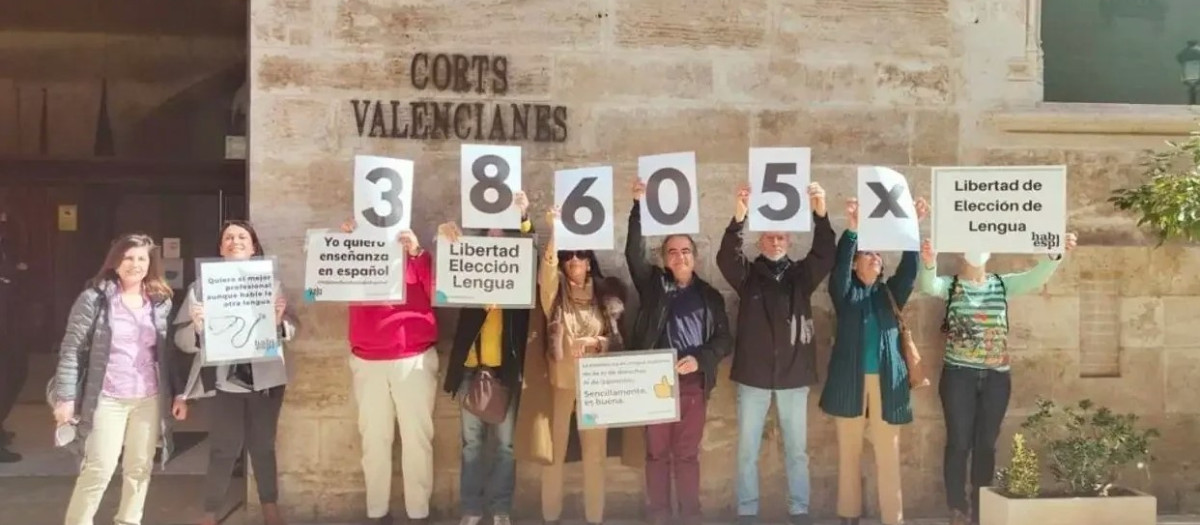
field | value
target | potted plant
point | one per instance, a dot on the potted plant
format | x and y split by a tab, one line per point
1083	447
1168	202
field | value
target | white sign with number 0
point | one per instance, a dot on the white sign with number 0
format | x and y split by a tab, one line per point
585	200
670	204
491	175
779	179
383	190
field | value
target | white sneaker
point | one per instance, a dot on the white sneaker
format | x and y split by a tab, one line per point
501	519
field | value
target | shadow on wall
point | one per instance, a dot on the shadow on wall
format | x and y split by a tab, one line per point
192	125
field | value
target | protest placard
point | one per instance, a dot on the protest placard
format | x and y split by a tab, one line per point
1000	209
625	389
887	213
353	267
483	271
238	299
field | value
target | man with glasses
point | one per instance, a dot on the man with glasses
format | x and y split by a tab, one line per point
678	310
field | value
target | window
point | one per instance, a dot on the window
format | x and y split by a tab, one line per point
1117	51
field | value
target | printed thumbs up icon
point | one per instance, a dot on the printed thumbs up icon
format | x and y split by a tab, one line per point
662	389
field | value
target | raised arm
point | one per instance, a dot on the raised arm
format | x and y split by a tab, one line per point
731	260
815	266
901	283
548	273
635	249
1032	279
841	279
75	339
928	281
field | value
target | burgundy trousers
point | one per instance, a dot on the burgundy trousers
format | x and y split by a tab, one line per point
674	448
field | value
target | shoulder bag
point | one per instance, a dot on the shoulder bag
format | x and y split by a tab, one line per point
486	397
917	376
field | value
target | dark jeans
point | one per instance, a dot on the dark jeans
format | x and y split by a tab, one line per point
974	403
481	484
244	419
674	448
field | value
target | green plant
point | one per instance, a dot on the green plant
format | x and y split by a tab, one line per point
1168	202
1085	446
1021	478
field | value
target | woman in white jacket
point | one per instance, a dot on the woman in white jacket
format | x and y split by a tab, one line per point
247	397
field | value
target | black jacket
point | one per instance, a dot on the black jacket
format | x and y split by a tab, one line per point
512	346
653	284
775	334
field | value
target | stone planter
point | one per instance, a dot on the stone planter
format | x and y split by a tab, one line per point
1135	509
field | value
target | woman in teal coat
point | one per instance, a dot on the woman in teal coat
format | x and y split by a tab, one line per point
868	380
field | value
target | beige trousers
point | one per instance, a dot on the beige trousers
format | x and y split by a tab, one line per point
131	425
886	440
389	392
594	449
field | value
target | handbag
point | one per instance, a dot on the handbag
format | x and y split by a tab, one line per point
486	397
917	377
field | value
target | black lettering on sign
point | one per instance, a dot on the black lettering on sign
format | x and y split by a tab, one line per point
772	184
391	196
577	200
483	182
654	201
889	200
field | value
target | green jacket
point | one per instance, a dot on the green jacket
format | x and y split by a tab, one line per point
843	392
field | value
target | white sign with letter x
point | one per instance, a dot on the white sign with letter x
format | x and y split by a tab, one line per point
887	214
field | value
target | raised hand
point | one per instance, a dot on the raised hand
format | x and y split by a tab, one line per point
816	199
852	213
741	204
1069	244
928	256
449	230
521	201
639	189
922	209
349	226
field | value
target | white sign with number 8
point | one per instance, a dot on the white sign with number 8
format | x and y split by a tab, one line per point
584	197
383	190
779	179
491	175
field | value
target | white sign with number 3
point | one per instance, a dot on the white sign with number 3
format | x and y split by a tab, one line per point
779	180
585	200
383	191
491	175
670	204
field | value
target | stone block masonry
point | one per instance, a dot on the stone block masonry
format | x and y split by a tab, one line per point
859	81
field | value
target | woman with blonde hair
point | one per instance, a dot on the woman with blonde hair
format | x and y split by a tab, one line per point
114	389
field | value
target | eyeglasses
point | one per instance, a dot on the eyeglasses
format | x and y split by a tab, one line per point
566	255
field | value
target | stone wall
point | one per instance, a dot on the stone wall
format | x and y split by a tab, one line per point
901	84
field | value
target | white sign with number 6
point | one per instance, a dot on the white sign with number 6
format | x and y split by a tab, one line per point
491	175
585	200
383	191
670	204
779	179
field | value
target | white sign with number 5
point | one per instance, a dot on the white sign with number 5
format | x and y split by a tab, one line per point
585	200
670	203
779	179
383	191
491	175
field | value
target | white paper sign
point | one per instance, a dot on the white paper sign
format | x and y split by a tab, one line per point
490	175
482	271
239	310
383	194
624	389
670	205
585	200
887	215
353	267
173	273
1002	209
779	179
171	248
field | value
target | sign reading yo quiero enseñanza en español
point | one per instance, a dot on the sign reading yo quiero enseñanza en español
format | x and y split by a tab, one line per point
353	267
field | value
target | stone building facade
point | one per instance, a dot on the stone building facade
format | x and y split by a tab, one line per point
907	85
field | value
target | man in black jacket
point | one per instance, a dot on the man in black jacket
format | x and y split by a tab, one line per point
678	310
14	360
775	353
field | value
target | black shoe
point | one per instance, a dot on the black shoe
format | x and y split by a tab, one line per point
800	519
386	519
8	456
6	437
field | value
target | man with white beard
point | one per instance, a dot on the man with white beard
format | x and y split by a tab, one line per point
775	355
